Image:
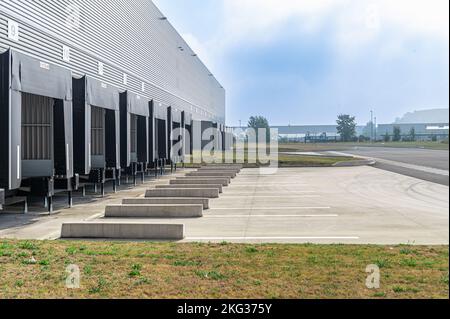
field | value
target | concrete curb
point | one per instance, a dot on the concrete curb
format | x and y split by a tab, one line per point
180	192
168	201
228	179
191	186
126	231
212	173
154	211
219	181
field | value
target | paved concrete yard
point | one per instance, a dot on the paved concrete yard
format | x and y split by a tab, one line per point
361	205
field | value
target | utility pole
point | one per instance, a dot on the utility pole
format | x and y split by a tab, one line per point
371	125
376	129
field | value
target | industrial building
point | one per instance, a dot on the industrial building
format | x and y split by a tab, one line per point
90	92
311	133
422	131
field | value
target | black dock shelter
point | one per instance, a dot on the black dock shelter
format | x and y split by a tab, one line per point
2	198
207	138
187	134
96	125
134	133
217	137
222	137
36	157
175	124
158	140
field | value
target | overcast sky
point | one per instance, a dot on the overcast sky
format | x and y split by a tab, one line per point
306	61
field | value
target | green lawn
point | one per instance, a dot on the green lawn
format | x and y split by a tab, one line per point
36	269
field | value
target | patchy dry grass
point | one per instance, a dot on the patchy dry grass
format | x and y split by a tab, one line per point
311	161
151	270
288	160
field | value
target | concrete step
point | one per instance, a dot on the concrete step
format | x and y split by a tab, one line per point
219	187
228	179
154	211
209	181
212	173
237	170
179	192
124	231
218	165
167	200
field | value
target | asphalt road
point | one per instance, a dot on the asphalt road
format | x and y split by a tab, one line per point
428	165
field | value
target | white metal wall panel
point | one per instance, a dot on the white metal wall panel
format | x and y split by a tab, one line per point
128	37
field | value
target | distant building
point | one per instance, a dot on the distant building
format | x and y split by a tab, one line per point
311	133
423	131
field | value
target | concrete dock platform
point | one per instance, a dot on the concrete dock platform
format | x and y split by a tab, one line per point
154	211
168	201
207	181
193	186
180	192
122	231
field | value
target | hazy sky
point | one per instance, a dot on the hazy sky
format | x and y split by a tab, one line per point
306	61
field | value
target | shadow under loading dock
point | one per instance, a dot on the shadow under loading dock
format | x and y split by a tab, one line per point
96	125
35	128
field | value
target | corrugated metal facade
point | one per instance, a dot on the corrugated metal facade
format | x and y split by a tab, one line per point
131	41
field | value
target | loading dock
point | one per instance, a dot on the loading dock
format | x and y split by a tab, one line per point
187	135
2	198
207	136
96	125
222	136
134	135
35	128
158	140
175	135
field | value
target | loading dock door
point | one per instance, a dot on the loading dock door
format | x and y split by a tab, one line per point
133	129
37	135
22	77
187	133
162	139
112	144
158	140
98	123
174	125
133	137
